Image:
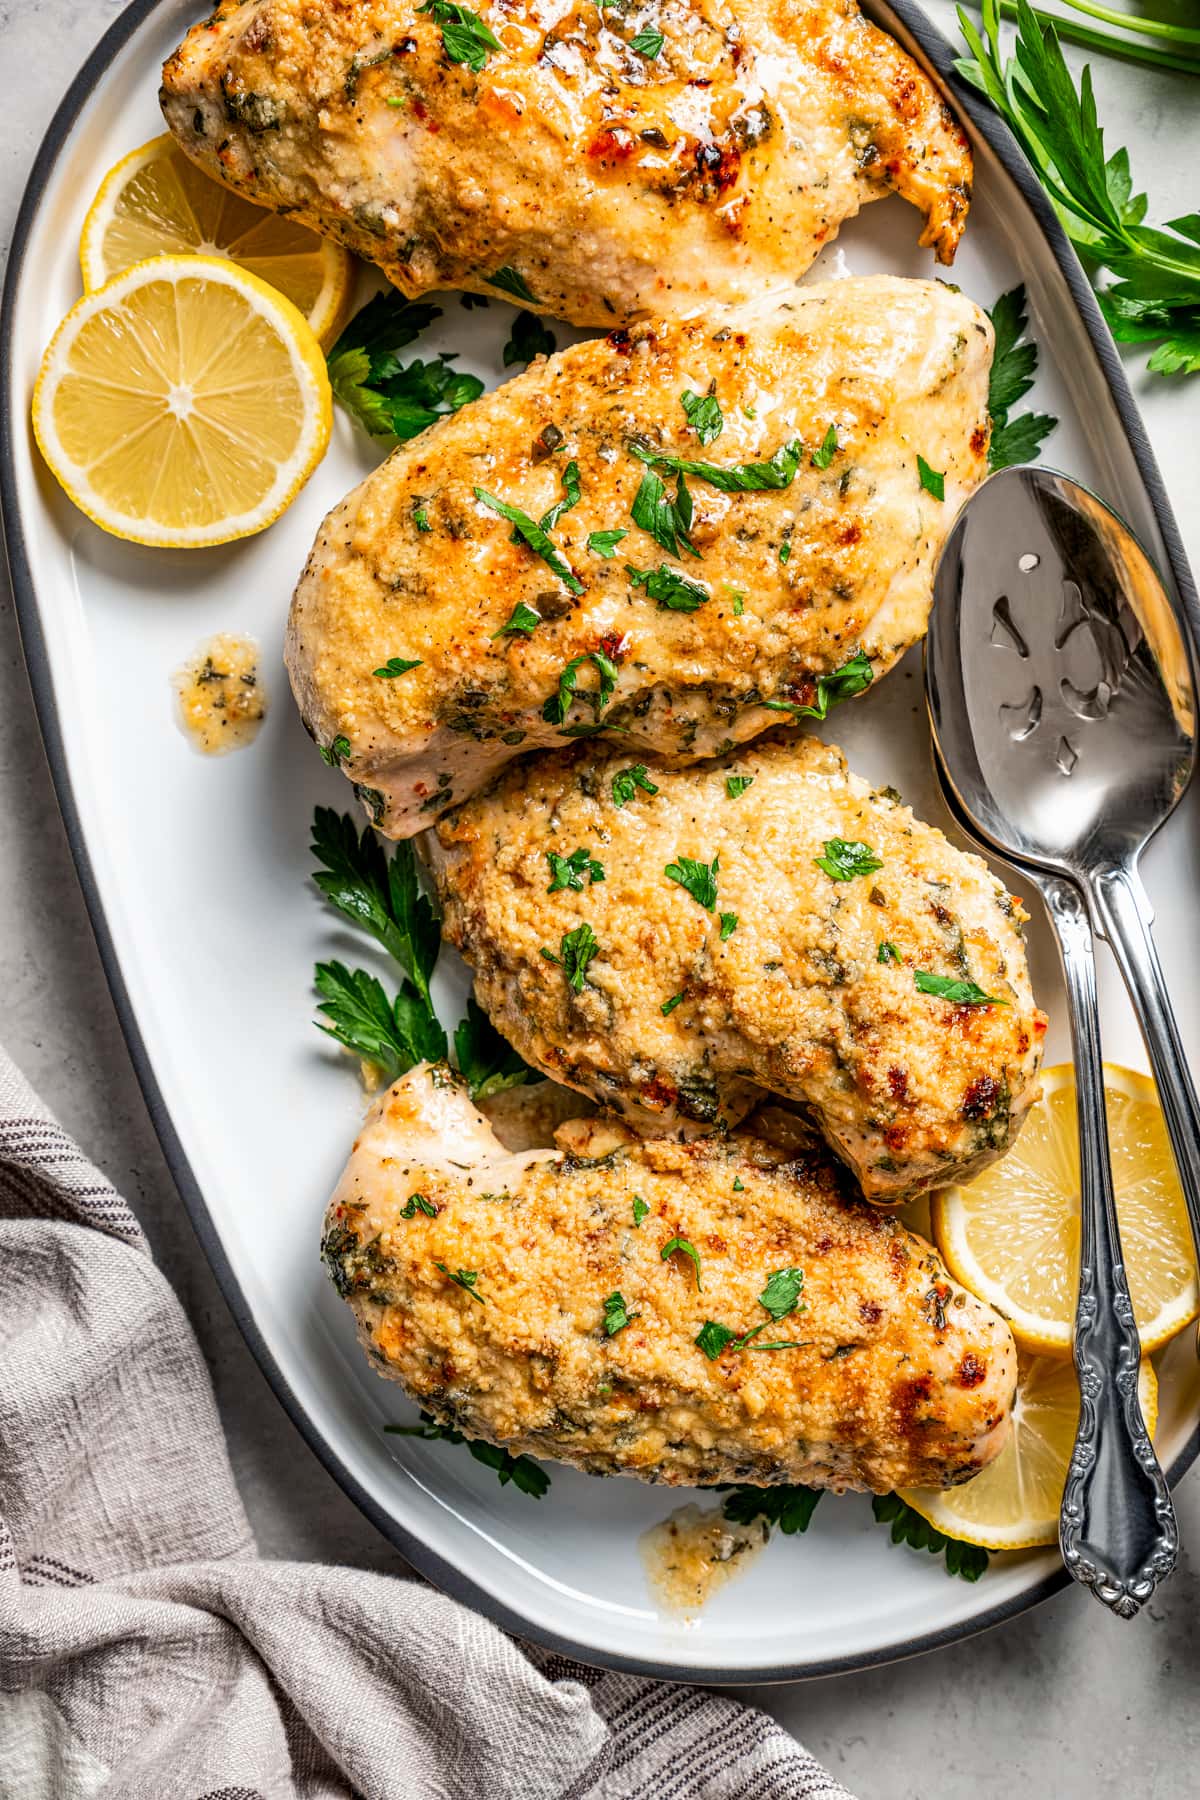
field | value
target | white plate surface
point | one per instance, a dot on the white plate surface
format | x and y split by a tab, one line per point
201	867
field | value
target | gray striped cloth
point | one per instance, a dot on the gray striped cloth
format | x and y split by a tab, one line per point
147	1652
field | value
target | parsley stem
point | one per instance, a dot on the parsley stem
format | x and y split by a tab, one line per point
1180	34
1127	48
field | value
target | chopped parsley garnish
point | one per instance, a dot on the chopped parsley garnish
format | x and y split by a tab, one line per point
522	621
575	952
932	480
739	605
729	924
948	987
648	43
387	397
739	478
529	338
336	753
699	878
640	1209
832	689
532	534
736	785
571	496
510	281
604	543
418	1203
704	415
739	1186
822	457
667	521
681	1243
395	665
464	1279
626	782
785	550
569	871
486	1061
712	1338
790	1508
968	1561
421	519
668	1006
616	1315
465	37
887	953
1014	365
845	860
526	1475
672	591
781	1295
560	702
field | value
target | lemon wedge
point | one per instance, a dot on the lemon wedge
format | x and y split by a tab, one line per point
1013	1504
155	202
1012	1235
185	403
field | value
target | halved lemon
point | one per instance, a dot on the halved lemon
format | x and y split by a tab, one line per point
185	403
1013	1504
1012	1234
154	202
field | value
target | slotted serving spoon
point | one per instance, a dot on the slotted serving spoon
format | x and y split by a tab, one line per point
1061	695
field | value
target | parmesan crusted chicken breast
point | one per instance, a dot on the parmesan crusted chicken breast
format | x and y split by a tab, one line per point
662	535
600	163
673	941
686	1313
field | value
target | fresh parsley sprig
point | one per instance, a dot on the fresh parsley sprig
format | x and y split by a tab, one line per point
526	1475
1156	294
1014	365
382	895
393	1035
387	397
968	1561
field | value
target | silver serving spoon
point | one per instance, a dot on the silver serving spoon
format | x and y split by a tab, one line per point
1061	694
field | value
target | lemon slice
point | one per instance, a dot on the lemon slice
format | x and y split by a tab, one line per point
185	403
1013	1504
154	202
1012	1234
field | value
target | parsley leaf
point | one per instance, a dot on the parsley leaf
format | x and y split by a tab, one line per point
381	895
509	281
560	702
932	480
790	1508
626	782
729	924
616	1315
388	398
418	1203
604	543
739	478
668	1006
1014	364
700	879
575	952
466	1279
569	871
673	592
887	953
681	1243
968	1561
712	1338
525	1474
465	37
822	457
648	43
335	754
522	621
842	684
736	785
393	1035
529	338
572	492
395	665
704	415
947	987
640	1209
667	521
532	534
845	860
486	1061
781	1295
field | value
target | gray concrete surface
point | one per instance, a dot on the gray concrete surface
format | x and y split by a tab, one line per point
1063	1704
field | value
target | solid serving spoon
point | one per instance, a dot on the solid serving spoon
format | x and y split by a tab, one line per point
1061	696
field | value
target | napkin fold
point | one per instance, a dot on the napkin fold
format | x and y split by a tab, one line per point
147	1652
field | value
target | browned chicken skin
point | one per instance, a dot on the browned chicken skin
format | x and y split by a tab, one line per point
498	1312
599	178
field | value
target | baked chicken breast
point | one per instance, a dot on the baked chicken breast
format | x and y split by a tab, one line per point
597	163
672	942
535	1301
670	610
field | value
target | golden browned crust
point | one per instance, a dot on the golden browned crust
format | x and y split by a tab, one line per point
898	1377
615	184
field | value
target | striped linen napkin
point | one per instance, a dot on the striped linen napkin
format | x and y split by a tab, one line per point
147	1652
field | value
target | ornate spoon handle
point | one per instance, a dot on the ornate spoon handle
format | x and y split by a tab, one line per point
1117	1525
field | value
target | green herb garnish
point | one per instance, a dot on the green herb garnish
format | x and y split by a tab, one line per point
572	492
668	1006
842	684
626	783
465	1279
522	621
729	924
394	1035
510	281
681	1243
465	37
712	1338
739	478
968	1561
790	1508
526	1475
560	702
824	455
640	1209
575	952
948	987
381	894
387	397
604	543
932	480
1014	364
667	521
395	665
781	1295
704	415
845	860
418	1203
532	534
486	1061
736	785
699	878
616	1315
887	953
672	591
336	753
569	871
648	43
528	338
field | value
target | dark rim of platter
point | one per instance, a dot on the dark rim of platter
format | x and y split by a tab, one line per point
939	55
